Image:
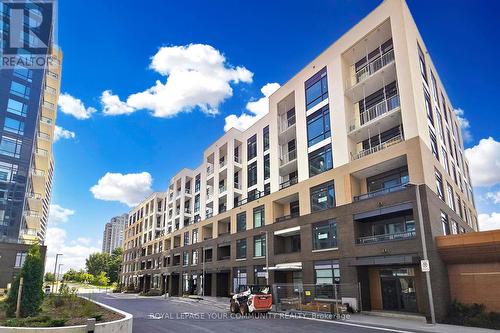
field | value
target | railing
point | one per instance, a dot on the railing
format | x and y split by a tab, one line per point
237	186
210	195
257	195
286	123
34	196
288	157
237	159
42	152
187	210
209	215
44	136
210	169
386	237
382	191
36	172
187	190
374	66
222	188
379	109
222	209
30	213
378	147
177	211
222	163
289	183
287	217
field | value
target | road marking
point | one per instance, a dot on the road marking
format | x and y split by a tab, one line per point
359	325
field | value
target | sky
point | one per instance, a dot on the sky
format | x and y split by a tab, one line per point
148	85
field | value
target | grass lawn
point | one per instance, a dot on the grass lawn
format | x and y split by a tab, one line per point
62	311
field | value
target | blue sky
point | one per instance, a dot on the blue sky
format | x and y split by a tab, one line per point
108	45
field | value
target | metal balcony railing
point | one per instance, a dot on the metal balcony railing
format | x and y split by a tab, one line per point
375	112
288	183
382	191
374	66
237	159
386	237
222	163
379	147
210	169
287	217
288	157
222	188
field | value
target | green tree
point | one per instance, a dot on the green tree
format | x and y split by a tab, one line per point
86	278
115	264
97	263
49	277
100	280
70	275
32	293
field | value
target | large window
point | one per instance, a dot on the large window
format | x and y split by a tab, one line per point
194	257
19	89
327	275
320	161
13	126
239	279
258	216
185	258
266	137
252	174
434	146
445	224
428	107
20	258
252	147
194	236
241	248
421	58
186	238
387	180
241	222
439	185
318	126
10	146
324	235
259	246
197	183
267	167
316	89
322	197
17	107
451	198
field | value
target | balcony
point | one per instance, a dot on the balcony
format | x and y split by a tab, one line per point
286	125
258	195
222	163
35	201
287	217
288	157
187	210
210	170
375	112
289	183
237	159
32	219
390	142
38	180
210	195
386	237
41	158
373	67
222	189
380	192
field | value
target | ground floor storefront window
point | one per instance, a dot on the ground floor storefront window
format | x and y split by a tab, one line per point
398	289
327	279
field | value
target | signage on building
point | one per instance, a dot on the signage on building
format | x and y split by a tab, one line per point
424	265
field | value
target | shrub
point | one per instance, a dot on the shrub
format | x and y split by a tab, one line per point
473	315
152	292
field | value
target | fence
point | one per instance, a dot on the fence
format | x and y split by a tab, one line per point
331	298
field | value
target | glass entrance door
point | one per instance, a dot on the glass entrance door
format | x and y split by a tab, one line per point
398	290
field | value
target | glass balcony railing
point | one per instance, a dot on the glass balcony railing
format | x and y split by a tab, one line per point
386	237
286	122
288	157
382	191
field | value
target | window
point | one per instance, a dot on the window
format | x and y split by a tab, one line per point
17	107
387	180
258	216
185	258
324	235
421	58
20	258
445	224
194	257
19	89
259	246
186	238
241	248
197	203
454	227
267	188
444	161
434	87
252	174
10	146
439	185
316	89
252	147
259	275
434	146
197	183
322	197
267	167
428	107
239	279
241	222
320	161
194	236
318	126
13	126
24	73
326	274
451	199
266	138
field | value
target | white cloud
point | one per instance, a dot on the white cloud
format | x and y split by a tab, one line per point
58	214
129	189
113	106
74	255
484	162
464	124
256	108
489	221
61	133
493	197
197	76
75	107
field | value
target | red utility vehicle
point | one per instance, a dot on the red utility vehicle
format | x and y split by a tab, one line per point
252	299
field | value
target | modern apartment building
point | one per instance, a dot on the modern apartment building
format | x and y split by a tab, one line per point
112	237
356	168
28	105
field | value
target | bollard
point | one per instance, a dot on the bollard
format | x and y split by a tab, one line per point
90	325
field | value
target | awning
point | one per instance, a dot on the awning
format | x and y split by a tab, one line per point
291	266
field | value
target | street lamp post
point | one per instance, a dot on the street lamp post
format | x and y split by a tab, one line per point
59	271
55	267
